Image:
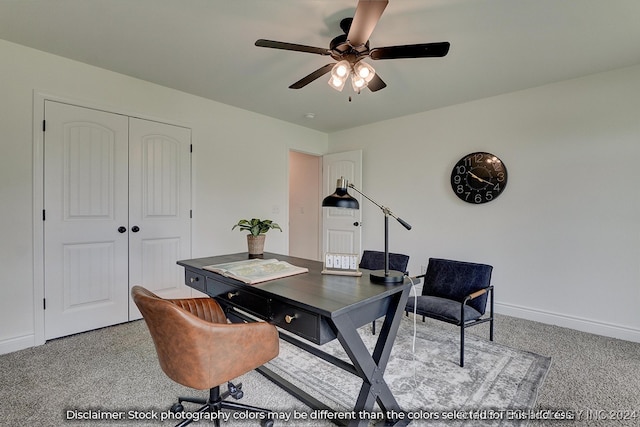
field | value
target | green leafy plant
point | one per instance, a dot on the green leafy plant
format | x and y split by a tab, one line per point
256	226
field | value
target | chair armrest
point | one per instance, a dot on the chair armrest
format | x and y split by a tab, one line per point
477	293
236	348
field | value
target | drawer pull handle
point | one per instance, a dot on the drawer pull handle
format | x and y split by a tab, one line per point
232	294
289	318
194	279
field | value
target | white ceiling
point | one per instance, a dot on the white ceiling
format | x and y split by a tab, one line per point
206	47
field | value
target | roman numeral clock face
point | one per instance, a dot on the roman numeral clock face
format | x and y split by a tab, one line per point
479	178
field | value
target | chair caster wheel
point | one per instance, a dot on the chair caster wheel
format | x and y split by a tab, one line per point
177	407
266	423
235	391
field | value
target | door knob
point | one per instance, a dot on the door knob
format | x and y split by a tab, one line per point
356	223
135	228
121	229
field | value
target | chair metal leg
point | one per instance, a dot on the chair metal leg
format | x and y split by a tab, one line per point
373	327
491	313
216	403
462	345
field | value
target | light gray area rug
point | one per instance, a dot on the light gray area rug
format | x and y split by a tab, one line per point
428	383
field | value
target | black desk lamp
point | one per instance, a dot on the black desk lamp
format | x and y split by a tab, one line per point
342	199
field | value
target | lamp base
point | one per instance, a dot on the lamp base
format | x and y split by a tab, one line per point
379	276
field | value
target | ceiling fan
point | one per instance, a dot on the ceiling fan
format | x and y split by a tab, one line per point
350	48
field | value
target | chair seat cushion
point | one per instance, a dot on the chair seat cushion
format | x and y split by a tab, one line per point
442	309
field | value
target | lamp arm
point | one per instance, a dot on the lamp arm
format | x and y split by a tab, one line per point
385	210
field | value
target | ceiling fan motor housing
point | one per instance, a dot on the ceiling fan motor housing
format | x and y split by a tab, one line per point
341	49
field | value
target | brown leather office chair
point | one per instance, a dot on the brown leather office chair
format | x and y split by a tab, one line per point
198	348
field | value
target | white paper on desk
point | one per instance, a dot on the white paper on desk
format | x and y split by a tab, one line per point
254	271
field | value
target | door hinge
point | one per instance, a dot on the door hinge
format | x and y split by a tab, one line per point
44	126
44	216
44	303
191	148
191	213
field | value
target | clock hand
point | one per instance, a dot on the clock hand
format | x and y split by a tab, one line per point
478	178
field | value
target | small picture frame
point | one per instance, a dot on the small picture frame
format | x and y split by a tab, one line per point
341	264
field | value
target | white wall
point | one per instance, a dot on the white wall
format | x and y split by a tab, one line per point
240	165
564	237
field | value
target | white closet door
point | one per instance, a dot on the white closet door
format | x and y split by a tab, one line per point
159	207
85	200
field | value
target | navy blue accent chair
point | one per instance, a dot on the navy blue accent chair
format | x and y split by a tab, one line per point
374	260
456	292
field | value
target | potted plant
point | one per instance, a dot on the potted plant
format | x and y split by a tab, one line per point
257	229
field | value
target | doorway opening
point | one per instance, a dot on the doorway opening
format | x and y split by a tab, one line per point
305	183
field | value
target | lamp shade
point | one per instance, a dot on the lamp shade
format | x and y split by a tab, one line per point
339	74
341	197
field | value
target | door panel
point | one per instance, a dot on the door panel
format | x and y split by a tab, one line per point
158	274
95	260
86	258
340	232
159	207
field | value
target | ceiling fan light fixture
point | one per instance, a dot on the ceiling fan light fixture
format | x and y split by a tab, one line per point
339	74
358	83
364	70
337	83
341	69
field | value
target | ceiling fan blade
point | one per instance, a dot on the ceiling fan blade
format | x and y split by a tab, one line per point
311	77
376	84
424	50
368	13
291	46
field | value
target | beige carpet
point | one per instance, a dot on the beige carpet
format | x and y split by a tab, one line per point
115	370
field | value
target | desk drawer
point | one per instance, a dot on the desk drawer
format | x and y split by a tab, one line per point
216	288
194	280
245	300
296	320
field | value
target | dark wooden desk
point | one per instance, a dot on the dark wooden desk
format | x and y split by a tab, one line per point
318	308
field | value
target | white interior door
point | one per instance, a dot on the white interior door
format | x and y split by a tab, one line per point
341	228
159	207
85	200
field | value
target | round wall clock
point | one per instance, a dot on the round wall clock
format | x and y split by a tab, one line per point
479	178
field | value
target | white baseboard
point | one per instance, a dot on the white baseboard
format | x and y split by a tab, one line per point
580	324
18	343
572	322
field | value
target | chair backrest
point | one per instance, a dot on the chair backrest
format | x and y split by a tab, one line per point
374	260
456	279
195	349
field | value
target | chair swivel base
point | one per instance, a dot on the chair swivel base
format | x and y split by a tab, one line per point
387	278
216	402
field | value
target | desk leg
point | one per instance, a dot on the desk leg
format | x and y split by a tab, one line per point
371	367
